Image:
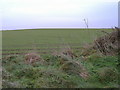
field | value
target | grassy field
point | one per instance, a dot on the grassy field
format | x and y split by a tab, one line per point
48	39
93	70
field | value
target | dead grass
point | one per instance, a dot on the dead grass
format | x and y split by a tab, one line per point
65	54
65	51
107	74
74	67
108	44
31	58
68	63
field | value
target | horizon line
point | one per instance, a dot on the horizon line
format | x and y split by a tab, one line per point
58	28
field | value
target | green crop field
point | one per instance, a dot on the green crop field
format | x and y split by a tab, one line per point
46	40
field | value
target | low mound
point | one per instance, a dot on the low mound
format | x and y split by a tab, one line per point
31	58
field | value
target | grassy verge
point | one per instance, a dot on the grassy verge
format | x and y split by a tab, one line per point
103	72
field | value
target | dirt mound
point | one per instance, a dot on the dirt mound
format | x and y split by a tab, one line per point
31	58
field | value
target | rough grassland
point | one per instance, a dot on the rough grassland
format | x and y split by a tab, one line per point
66	69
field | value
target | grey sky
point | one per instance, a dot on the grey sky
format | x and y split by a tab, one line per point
19	14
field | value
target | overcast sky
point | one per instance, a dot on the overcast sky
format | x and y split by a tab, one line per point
19	14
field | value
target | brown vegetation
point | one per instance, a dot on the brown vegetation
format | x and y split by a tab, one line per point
32	58
64	52
73	67
104	45
108	44
107	74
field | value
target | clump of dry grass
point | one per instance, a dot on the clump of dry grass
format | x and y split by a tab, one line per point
68	63
107	74
108	44
66	51
87	50
104	45
31	58
9	57
65	54
72	67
